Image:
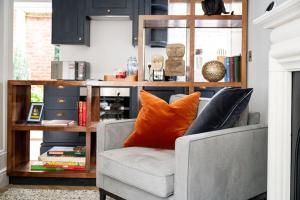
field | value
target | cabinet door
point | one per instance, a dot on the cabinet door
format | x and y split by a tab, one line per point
110	7
138	9
156	37
69	23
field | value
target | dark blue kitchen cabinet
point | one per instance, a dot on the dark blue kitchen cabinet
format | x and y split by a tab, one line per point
156	37
70	25
138	9
61	104
109	7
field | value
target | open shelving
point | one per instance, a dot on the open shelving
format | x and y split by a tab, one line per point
19	92
192	22
18	161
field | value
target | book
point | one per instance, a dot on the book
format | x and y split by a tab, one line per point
227	68
39	166
231	65
84	113
45	158
55	166
80	116
67	151
58	122
237	68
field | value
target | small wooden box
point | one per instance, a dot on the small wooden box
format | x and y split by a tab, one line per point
114	78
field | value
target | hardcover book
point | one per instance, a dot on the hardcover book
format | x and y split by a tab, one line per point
78	151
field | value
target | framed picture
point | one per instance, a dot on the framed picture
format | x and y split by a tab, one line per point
35	112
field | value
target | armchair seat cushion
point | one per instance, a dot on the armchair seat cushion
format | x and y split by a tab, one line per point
148	169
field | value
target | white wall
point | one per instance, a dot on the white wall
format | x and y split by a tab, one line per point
109	49
259	43
5	72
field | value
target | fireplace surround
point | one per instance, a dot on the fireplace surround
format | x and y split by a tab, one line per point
295	137
284	64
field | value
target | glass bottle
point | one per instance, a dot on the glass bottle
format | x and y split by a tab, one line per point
198	66
132	66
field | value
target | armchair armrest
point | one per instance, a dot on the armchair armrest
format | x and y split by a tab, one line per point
226	164
112	134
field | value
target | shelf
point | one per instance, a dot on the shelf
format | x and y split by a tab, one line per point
219	21
116	84
39	127
217	84
25	170
201	21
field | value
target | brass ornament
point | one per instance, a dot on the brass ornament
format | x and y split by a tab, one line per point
213	71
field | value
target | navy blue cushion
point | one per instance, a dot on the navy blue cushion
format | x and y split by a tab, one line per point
223	110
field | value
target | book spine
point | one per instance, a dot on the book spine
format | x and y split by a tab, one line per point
80	116
65	153
84	113
76	159
231	61
227	68
237	68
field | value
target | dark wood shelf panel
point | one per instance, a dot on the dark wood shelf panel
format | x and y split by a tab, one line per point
217	84
39	127
124	84
93	127
25	170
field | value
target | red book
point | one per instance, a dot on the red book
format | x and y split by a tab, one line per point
84	114
231	64
80	115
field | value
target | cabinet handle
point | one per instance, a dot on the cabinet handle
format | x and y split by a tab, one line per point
80	38
60	114
61	101
108	10
135	38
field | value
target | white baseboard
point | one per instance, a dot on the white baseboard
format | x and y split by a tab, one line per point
3	178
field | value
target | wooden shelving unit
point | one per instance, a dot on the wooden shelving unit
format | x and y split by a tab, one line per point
19	92
18	161
192	22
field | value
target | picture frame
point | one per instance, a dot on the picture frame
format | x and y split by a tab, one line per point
35	112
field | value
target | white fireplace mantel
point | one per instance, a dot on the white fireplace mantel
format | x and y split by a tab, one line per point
284	58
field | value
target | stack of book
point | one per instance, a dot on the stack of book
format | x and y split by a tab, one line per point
233	69
61	158
82	113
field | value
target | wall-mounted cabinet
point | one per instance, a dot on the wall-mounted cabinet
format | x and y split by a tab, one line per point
156	37
71	19
69	23
109	7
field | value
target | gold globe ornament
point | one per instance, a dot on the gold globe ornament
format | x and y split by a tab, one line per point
213	71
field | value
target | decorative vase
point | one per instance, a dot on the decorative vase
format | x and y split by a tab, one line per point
213	71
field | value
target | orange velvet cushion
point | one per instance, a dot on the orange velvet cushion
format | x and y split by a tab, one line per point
159	124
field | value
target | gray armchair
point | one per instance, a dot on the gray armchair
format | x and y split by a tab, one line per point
228	164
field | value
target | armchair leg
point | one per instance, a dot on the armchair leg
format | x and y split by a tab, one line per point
102	194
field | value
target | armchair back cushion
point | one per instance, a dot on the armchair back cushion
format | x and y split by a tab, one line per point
159	124
222	111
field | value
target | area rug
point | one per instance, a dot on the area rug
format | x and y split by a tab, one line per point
19	193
